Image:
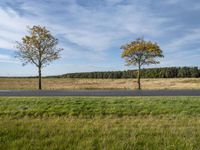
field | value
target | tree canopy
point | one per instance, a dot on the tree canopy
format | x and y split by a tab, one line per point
39	47
141	52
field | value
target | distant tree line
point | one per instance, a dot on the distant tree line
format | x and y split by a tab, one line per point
167	72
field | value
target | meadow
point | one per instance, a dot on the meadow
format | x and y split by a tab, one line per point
70	83
99	123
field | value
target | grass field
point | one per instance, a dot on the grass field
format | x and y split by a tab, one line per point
99	123
64	83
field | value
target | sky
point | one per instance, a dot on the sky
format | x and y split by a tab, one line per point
91	32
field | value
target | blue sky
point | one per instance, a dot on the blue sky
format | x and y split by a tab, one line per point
92	31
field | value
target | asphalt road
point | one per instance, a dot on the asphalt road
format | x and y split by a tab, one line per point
100	93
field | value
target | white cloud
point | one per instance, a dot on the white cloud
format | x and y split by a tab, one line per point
7	58
87	32
96	30
190	38
12	28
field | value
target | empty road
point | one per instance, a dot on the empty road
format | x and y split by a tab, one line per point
100	93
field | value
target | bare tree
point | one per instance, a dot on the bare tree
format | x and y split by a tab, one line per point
38	48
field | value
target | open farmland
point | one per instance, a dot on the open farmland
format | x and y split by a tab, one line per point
99	123
66	83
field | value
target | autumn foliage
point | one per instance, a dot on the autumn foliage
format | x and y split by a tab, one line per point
141	52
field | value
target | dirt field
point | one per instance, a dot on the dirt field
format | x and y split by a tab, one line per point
64	83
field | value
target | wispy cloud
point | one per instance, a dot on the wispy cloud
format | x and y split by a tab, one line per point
192	37
7	59
91	32
90	27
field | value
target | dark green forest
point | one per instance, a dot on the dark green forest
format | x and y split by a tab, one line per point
166	72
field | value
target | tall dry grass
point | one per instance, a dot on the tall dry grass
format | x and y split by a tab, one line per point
65	83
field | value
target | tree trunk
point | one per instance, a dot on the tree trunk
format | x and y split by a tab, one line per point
138	78
40	79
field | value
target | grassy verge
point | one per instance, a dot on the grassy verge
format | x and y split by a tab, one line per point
98	106
100	123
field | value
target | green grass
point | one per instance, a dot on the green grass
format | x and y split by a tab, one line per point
99	123
99	106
